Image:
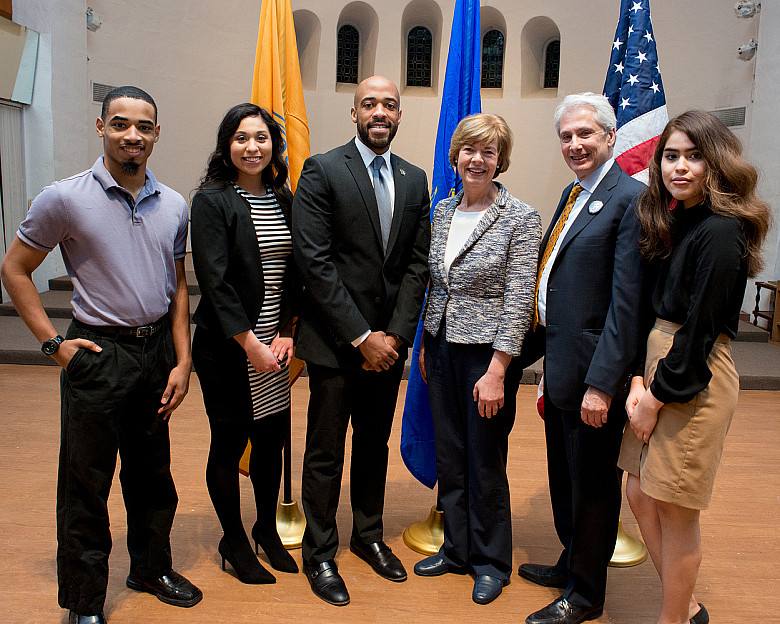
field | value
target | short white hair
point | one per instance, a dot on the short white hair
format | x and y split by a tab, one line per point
603	113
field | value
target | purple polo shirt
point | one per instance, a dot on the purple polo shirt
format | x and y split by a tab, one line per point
119	253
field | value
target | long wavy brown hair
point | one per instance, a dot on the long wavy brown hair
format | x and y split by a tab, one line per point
729	187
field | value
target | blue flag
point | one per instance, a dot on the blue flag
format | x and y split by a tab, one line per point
634	88
460	98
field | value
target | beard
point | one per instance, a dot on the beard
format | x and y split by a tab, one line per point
130	168
365	137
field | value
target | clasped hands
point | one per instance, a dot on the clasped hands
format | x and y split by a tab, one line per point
380	351
642	408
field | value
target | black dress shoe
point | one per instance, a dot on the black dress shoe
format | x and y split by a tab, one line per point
171	588
75	618
326	582
487	588
701	617
379	556
548	576
435	565
561	611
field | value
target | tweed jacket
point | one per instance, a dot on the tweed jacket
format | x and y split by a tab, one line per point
487	296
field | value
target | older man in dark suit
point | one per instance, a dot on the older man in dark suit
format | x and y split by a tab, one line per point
361	232
589	331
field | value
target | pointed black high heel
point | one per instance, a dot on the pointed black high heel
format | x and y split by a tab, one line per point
247	568
272	545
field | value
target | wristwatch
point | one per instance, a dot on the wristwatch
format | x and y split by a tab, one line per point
49	347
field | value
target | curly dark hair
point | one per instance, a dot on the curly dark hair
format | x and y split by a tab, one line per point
729	187
221	171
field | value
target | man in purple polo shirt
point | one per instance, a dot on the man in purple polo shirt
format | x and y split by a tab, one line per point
126	356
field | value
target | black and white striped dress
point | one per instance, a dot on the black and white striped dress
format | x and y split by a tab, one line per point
270	391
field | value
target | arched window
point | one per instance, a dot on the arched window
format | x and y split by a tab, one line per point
552	64
348	52
418	57
492	60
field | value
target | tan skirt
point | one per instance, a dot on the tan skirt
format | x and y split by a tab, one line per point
679	463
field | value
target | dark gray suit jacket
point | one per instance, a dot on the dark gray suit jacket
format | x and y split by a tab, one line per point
351	284
595	324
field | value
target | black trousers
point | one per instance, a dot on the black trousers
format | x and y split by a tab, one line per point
585	488
109	404
471	456
367	398
222	371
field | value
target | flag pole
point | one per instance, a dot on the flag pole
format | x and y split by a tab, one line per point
277	87
634	88
290	522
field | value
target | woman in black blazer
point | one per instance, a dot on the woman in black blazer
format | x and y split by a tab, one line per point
242	252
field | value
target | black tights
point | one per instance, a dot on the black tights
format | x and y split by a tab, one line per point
228	442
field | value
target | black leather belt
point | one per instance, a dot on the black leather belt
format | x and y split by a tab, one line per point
142	331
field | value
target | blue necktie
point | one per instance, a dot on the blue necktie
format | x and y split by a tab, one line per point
382	199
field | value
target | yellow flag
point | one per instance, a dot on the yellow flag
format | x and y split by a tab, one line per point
276	85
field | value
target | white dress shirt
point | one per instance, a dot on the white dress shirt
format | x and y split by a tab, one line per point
368	156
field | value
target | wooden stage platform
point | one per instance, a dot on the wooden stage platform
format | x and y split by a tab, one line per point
737	580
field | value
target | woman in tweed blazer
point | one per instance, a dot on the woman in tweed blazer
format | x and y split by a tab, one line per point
482	261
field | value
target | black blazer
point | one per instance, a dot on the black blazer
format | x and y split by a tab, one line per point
350	284
228	264
597	284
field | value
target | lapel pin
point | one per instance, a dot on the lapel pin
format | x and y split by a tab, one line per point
402	172
595	206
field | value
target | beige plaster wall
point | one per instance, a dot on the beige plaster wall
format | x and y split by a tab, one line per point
55	138
763	130
196	59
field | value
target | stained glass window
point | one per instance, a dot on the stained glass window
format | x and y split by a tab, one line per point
419	49
347	54
552	64
492	60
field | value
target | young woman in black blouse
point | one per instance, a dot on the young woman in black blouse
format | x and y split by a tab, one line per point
703	226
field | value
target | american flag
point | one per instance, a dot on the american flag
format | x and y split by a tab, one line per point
634	88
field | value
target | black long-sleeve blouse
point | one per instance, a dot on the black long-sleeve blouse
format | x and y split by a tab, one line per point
700	286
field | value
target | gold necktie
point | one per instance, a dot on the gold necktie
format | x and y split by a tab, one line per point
556	232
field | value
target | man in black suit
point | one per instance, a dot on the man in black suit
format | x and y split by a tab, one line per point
589	332
361	232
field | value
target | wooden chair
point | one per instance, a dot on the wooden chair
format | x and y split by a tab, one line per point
772	314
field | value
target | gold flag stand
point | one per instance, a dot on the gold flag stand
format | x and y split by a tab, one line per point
629	550
290	522
426	536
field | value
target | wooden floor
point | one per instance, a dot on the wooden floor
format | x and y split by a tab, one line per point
737	582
